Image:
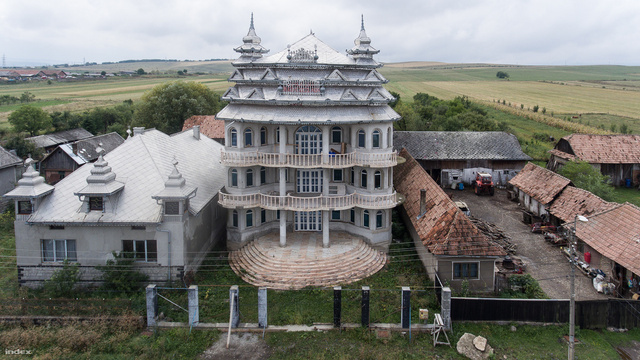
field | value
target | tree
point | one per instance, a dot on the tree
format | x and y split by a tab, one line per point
24	147
121	274
502	75
31	119
168	105
585	176
535	108
140	71
103	73
27	97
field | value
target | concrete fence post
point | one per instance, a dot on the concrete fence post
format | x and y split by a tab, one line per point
194	312
337	306
262	307
364	318
152	305
405	314
233	298
445	310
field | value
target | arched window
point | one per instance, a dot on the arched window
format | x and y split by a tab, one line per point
248	137
363	179
234	219
263	136
375	139
263	175
336	135
234	177
377	179
308	140
248	218
361	138
365	218
249	178
234	137
379	219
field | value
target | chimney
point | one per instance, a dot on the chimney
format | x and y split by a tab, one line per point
196	132
423	202
138	130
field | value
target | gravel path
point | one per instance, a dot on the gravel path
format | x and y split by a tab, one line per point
543	261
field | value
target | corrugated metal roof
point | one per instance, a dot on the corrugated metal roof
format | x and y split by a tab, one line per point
61	137
460	145
143	163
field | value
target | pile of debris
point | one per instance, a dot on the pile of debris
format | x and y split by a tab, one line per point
494	234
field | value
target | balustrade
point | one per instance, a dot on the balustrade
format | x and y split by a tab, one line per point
256	158
309	203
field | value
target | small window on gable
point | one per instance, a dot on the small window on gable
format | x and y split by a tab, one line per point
171	208
336	135
263	136
361	139
96	203
24	207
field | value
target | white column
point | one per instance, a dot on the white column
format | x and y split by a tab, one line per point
283	228
283	186
325	144
325	228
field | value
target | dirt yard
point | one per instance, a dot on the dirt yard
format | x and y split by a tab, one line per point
543	261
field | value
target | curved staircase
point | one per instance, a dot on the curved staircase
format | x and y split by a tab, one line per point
304	262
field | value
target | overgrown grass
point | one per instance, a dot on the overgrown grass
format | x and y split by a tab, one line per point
622	194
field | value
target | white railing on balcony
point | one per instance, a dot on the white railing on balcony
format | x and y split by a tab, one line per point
254	158
309	203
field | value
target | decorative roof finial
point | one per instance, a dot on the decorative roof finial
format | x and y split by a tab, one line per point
100	149
251	25
128	132
363	48
251	43
362	19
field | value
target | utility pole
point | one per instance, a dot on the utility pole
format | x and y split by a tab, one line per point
572	303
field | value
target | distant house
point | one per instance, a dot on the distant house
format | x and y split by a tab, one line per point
573	201
209	126
55	74
617	156
50	141
9	75
10	170
456	156
537	187
153	197
66	158
612	237
448	243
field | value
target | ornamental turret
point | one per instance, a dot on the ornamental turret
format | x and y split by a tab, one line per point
251	47
363	48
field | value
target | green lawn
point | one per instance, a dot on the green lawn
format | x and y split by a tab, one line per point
622	194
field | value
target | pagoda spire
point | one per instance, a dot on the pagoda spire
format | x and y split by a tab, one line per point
251	44
363	48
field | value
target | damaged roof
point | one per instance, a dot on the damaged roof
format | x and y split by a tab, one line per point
460	145
209	125
541	184
61	137
574	201
615	233
605	149
443	229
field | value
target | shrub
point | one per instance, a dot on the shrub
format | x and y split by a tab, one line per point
63	281
119	274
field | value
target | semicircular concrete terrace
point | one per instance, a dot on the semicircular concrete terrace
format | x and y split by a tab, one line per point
305	262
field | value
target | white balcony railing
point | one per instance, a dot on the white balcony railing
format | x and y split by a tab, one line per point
254	158
309	203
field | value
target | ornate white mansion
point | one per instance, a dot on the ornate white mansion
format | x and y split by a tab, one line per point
308	144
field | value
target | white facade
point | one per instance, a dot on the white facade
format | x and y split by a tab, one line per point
308	143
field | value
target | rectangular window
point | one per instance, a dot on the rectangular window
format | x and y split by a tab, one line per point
24	207
277	214
263	216
465	270
352	216
336	135
58	250
96	203
171	208
141	250
335	215
337	175
138	227
56	227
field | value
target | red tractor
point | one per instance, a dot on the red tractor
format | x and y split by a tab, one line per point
483	184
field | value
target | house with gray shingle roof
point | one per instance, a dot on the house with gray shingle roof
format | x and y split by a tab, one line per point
617	156
155	196
448	243
457	156
10	170
50	141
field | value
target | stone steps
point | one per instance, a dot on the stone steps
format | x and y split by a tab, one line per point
257	265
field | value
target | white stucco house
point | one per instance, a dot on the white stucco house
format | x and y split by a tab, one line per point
155	196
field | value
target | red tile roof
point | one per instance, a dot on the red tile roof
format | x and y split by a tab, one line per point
615	233
562	154
573	201
209	126
605	149
443	229
539	183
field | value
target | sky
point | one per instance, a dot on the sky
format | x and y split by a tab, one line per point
522	32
